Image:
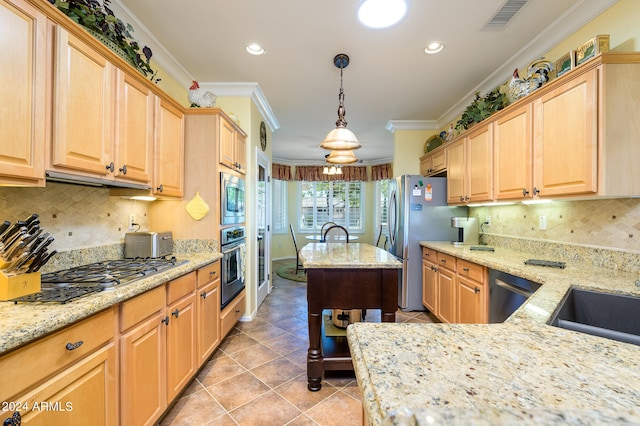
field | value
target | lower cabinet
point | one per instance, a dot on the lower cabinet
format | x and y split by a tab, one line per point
454	290
209	332
232	312
68	377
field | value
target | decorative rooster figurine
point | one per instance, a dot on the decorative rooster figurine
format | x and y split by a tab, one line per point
538	75
200	100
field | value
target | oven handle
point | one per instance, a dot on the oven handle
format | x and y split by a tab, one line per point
228	248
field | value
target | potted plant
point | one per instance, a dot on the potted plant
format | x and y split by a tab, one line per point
482	107
99	20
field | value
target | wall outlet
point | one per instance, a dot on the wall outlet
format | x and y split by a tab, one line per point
542	223
487	221
132	222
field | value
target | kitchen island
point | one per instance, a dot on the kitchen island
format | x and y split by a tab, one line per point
344	276
520	372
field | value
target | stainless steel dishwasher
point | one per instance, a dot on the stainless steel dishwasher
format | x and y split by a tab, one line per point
507	293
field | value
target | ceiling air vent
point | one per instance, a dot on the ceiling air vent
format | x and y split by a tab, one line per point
504	14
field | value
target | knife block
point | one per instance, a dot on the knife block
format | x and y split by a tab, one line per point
12	286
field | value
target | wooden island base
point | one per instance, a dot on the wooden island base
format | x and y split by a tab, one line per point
343	288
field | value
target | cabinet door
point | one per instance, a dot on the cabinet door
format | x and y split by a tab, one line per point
227	144
471	296
513	158
83	394
241	155
83	128
181	344
565	137
479	158
446	295
134	129
439	161
456	172
429	285
23	76
168	150
208	320
142	372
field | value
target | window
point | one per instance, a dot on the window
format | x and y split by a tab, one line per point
338	202
381	191
279	202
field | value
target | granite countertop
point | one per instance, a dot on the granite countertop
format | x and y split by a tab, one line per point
347	255
521	371
23	322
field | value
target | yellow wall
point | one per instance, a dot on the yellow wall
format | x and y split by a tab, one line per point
408	147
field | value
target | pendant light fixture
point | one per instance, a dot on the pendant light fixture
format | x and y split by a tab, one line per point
341	138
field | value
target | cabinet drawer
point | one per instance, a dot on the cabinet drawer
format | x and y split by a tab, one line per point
446	261
471	270
429	254
141	307
180	287
232	313
208	274
36	361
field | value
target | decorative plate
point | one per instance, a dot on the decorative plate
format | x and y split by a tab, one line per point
432	143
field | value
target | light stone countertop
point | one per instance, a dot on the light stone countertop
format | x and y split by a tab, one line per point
347	255
23	322
520	372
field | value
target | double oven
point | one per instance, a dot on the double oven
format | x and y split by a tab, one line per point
232	236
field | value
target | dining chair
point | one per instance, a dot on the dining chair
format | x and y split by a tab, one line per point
295	245
336	234
324	227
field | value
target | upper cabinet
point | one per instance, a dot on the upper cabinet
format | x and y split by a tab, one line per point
469	167
168	150
434	162
233	143
24	81
83	111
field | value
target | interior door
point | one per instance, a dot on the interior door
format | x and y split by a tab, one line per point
263	226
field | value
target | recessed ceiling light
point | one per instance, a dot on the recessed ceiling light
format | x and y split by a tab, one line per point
255	49
382	13
434	47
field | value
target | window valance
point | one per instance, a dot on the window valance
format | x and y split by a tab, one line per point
381	172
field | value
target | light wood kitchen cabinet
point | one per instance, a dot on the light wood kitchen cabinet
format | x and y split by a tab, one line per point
232	313
83	112
181	333
472	293
470	167
208	311
429	279
168	151
24	47
74	369
446	288
135	105
513	154
232	145
143	323
434	162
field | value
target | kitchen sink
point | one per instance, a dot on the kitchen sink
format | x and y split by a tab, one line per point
613	316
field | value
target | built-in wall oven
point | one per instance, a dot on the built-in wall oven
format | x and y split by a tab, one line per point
233	248
231	199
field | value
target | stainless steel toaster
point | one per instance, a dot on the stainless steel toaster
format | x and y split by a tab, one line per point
147	244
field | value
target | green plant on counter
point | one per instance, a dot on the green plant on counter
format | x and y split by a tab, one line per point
102	23
481	108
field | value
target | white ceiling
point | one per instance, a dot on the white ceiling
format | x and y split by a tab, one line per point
390	81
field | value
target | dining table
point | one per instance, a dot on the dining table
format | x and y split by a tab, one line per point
318	238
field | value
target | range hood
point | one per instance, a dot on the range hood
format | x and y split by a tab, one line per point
53	176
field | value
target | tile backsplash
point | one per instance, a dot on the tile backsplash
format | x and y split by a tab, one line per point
76	216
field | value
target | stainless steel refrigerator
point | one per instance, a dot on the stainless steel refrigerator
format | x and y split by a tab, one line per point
417	212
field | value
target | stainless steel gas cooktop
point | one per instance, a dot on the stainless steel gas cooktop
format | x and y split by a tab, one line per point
69	284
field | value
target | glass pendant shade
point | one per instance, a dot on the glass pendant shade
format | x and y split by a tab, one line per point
340	139
341	157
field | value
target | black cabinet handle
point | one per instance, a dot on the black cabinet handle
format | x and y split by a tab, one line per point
73	346
536	191
165	320
160	188
123	169
111	167
176	313
203	294
476	290
525	192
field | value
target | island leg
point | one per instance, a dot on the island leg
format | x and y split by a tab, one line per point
315	359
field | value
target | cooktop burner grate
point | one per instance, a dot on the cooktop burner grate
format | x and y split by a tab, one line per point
59	294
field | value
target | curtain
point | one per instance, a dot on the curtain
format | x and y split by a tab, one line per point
314	174
281	172
381	172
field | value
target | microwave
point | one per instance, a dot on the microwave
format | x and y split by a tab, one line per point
231	199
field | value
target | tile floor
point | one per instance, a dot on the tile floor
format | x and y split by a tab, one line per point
257	376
